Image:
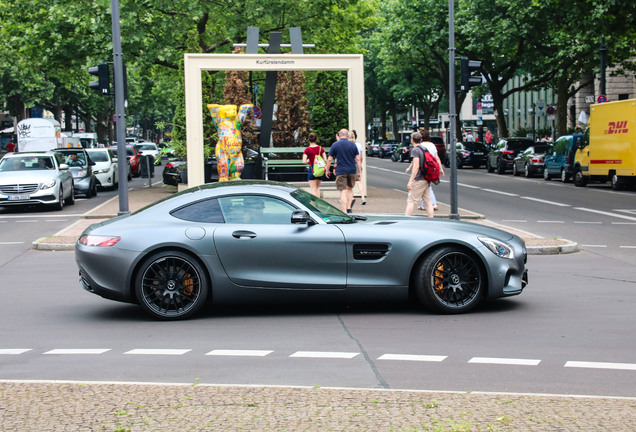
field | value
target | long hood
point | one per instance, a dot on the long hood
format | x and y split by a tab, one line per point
26	177
415	222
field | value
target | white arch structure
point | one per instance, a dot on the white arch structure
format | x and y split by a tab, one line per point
196	63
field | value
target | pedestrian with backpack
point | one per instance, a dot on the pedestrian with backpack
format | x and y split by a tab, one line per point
422	166
315	156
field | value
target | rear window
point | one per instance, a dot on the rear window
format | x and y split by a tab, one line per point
474	146
519	145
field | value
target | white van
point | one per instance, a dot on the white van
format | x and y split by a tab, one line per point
40	134
87	139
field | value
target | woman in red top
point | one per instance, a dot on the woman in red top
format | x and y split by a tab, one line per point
309	156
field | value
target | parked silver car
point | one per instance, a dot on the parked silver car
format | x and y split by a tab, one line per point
105	167
245	240
35	178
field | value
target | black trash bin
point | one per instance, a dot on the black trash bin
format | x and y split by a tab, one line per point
147	166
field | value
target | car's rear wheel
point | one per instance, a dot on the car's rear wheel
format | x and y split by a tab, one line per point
450	281
489	167
564	176
546	175
515	171
526	171
171	285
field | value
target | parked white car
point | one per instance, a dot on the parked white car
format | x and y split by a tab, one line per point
30	178
148	148
105	167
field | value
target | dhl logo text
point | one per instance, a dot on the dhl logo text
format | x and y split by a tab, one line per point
617	128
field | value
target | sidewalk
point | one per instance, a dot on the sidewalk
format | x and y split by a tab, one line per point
385	201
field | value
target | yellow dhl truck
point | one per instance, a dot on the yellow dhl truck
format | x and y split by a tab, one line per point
607	150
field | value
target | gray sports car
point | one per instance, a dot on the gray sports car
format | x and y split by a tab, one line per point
235	241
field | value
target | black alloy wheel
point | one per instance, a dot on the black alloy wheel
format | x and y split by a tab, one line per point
450	281
71	199
579	179
171	286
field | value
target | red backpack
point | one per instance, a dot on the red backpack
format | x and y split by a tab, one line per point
429	167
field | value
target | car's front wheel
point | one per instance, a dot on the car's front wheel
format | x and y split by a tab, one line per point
450	281
71	198
546	175
171	285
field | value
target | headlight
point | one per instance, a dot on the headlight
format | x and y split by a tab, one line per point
499	248
49	184
81	173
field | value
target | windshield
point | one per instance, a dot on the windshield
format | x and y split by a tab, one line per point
519	145
146	146
99	156
26	163
322	208
474	146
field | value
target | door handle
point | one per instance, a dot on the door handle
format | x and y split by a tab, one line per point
241	234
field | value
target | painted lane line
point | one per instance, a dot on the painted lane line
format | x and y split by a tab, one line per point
55	220
239	353
412	357
546	201
468	186
500	192
72	351
628	247
14	351
11	243
601	365
556	222
504	361
593	246
582	222
324	354
27	221
623	223
605	213
514	220
158	351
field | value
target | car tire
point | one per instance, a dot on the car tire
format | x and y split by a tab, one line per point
565	178
450	281
615	182
515	171
526	171
59	205
171	285
579	179
460	165
489	167
500	167
546	175
71	199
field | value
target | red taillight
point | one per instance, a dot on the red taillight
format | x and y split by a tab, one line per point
508	152
465	154
169	165
536	160
99	241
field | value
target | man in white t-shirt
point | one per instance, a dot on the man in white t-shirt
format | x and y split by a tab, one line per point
419	188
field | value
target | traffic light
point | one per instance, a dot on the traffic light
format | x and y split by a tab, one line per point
468	80
102	72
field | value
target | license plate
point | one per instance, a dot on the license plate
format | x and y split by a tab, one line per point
478	154
19	197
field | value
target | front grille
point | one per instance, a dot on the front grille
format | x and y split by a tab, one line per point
19	189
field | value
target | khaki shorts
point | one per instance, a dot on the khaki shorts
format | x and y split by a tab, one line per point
345	181
420	189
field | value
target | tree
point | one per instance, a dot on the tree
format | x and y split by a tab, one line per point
291	127
329	108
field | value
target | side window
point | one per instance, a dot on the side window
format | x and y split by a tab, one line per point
558	147
207	211
255	209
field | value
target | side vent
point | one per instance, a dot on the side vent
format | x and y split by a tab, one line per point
370	252
384	223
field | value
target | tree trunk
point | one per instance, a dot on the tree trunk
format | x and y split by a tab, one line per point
563	96
499	116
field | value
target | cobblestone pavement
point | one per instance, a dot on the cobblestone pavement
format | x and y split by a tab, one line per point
41	406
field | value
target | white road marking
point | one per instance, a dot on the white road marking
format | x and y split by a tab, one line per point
628	247
27	221
158	351
239	353
514	220
601	365
64	351
593	246
583	222
605	213
546	201
623	223
10	243
504	361
56	220
324	354
468	186
14	351
544	221
500	192
413	357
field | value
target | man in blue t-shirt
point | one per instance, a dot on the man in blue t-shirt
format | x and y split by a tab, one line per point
348	167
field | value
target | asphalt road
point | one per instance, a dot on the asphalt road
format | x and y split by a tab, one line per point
601	221
568	333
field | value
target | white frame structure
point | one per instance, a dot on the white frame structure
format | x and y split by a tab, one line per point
196	63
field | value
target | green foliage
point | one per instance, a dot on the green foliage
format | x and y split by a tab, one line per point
329	112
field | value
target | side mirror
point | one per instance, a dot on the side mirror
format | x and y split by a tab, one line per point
63	166
114	160
300	217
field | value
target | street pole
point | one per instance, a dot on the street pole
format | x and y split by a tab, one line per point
120	115
454	214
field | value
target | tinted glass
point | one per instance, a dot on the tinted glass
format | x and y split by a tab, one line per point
519	145
255	209
101	156
474	146
207	211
